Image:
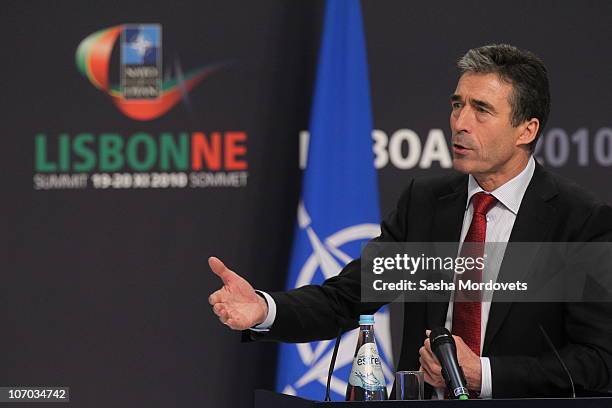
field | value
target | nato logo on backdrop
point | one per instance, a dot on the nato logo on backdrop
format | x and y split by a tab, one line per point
161	157
141	61
145	92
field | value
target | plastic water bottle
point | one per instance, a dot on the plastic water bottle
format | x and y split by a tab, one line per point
366	381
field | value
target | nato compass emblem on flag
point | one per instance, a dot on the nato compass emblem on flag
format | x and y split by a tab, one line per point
307	370
141	68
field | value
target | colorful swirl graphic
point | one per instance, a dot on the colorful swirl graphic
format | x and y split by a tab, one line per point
93	58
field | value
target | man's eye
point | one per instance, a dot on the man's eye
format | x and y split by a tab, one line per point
481	109
456	105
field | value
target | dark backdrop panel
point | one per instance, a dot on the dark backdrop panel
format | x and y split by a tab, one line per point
413	46
106	291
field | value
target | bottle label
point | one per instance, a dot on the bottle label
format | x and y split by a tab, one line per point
367	370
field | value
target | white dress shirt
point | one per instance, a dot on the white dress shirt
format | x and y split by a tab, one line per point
500	220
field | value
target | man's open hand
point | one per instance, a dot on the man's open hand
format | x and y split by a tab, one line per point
236	303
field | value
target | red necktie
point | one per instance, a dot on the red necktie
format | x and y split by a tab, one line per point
467	314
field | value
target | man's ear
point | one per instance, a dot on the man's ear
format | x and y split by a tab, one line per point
528	131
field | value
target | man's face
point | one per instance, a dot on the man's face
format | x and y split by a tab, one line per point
484	141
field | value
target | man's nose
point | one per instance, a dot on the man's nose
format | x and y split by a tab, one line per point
463	121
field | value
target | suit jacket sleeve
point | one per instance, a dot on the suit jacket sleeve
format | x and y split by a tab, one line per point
317	312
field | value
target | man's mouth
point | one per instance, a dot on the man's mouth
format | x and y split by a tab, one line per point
459	148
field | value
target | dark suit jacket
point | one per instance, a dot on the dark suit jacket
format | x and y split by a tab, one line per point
432	210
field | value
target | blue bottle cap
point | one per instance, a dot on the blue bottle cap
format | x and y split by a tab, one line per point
366	319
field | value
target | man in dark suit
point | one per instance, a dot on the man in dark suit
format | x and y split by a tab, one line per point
498	109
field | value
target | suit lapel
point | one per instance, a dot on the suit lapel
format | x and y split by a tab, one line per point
534	219
448	220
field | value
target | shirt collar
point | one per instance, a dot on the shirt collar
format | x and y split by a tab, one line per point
511	193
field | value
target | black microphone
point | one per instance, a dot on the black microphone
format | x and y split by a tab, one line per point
332	364
554	349
443	346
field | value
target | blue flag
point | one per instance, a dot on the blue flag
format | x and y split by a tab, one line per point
338	210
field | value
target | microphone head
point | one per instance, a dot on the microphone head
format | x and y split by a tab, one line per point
439	336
